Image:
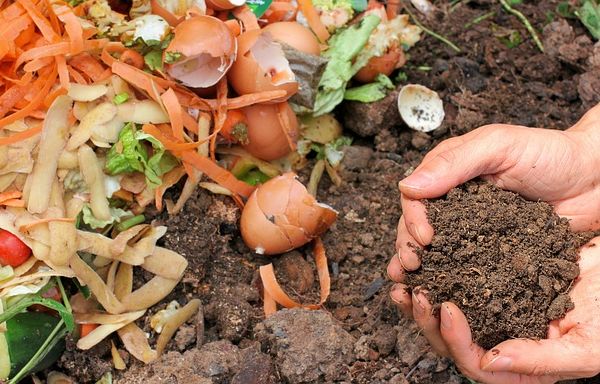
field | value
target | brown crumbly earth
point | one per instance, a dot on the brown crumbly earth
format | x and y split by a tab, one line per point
359	337
508	262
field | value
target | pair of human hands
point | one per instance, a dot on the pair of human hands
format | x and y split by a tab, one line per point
561	168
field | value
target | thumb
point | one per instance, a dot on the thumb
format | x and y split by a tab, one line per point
483	153
567	357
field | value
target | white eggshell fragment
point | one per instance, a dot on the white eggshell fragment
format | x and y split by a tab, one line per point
420	107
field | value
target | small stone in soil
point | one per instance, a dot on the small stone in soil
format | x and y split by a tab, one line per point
505	261
308	346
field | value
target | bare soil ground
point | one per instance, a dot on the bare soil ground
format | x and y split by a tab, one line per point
359	337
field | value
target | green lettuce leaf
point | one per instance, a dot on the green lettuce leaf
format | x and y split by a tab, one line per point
344	46
369	93
589	14
116	215
129	154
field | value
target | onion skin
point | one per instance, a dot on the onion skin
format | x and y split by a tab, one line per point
281	215
246	76
295	35
266	136
385	64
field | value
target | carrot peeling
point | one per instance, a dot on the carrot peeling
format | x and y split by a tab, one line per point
274	292
28	226
173	108
314	21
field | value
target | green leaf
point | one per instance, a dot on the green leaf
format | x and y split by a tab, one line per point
369	93
344	46
589	14
28	301
129	154
514	2
401	77
153	60
359	5
255	177
172	57
120	98
84	289
566	10
333	150
116	215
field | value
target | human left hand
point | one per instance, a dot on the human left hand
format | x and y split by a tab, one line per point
571	350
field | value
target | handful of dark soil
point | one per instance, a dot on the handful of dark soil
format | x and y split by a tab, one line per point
508	263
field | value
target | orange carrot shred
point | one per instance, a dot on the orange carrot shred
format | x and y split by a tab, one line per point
88	65
220	114
49	50
28	226
169	143
86	329
53	95
218	174
269	305
63	71
170	18
73	29
173	108
10	195
169	179
42	22
33	104
314	21
76	76
21	135
273	291
17	203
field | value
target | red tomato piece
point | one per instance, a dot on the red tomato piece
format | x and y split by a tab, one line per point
13	251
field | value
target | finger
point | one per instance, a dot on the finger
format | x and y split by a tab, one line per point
429	324
395	271
467	355
400	295
483	153
568	357
405	246
554	330
415	219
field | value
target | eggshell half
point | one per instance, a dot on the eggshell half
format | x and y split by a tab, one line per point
420	107
208	50
261	66
281	215
267	138
295	35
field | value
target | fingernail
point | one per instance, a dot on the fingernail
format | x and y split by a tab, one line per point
396	288
417	181
500	363
414	229
419	308
447	319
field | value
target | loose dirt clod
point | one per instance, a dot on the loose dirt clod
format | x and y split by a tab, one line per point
508	263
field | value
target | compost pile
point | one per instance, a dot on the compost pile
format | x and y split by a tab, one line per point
508	263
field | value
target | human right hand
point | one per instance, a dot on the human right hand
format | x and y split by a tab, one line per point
559	167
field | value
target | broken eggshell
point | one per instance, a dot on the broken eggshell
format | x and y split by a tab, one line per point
420	107
295	35
203	49
272	130
281	215
261	66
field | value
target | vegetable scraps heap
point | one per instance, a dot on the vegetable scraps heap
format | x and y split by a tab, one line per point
105	106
